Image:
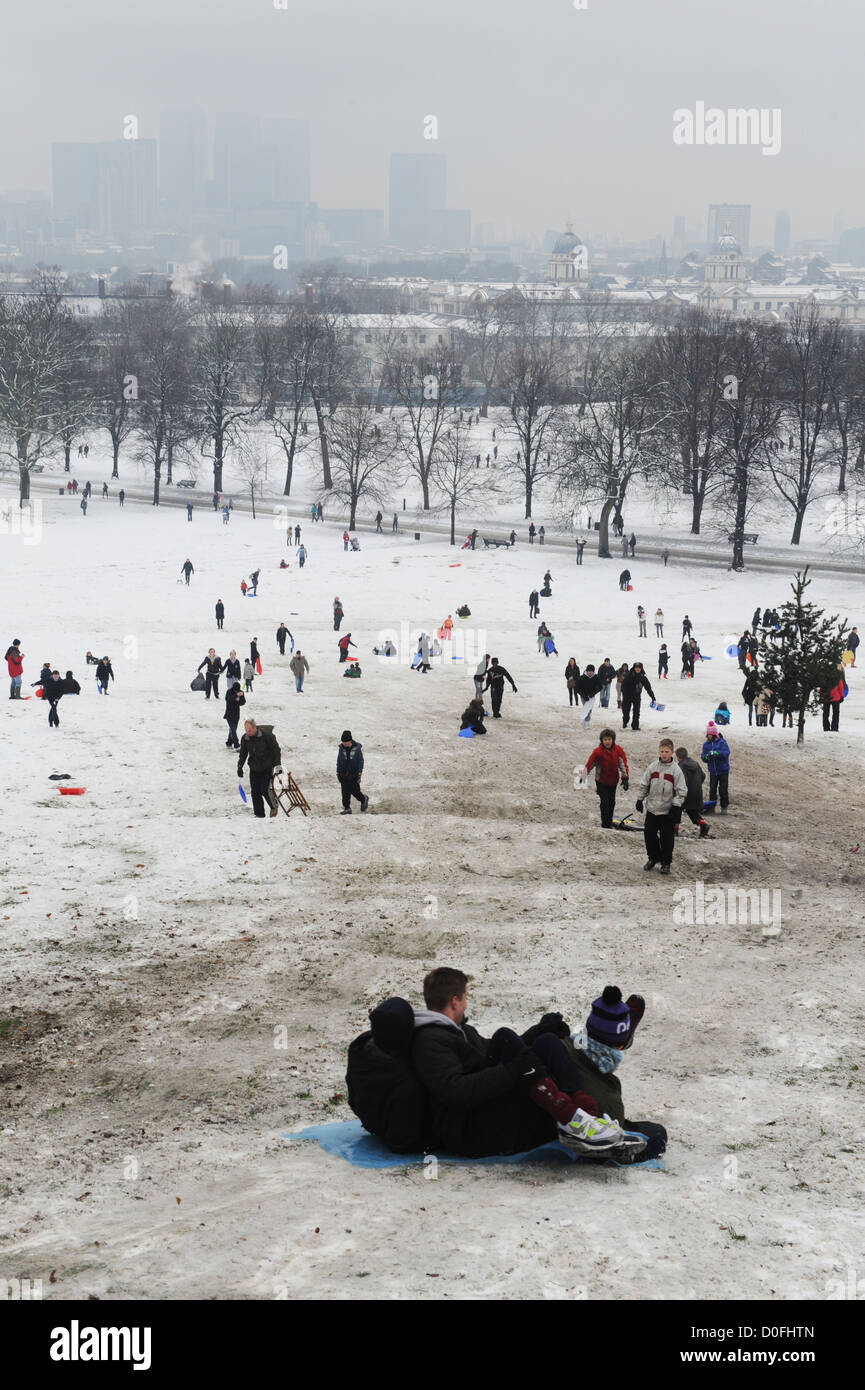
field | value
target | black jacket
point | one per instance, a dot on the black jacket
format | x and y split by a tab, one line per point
477	1108
262	750
497	675
234	698
220	610
281	633
213	664
633	685
253	653
232	668
472	720
70	685
53	690
387	1097
349	762
587	685
572	672
607	673
695	777
104	672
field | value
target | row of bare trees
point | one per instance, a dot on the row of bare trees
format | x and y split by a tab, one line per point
586	401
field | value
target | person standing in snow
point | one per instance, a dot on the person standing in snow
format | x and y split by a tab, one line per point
635	682
187	569
624	548
301	556
687	629
343	644
299	667
281	633
662	792
232	670
83	505
581	545
607	674
104	674
531	530
104	489
588	686
260	746
687	660
693	803
394	523
53	690
297	534
234	700
665	555
663	662
641	619
338	614
378	521
15	667
716	756
248	676
349	770
534	604
220	613
213	671
423	647
659	623
610	764
853	643
121	496
254	654
572	675
632	542
189	511
496	677
480	675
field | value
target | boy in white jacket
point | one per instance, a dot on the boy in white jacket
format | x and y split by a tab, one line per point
662	792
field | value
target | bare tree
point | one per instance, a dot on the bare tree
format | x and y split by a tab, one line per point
425	388
750	414
116	391
484	343
37	357
532	378
363	451
223	399
453	474
163	356
847	397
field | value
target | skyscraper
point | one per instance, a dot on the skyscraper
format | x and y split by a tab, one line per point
237	161
735	215
75	185
782	233
416	197
182	161
285	161
108	187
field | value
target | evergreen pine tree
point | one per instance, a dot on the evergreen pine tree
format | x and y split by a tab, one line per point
805	659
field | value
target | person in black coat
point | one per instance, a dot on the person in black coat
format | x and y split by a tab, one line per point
254	655
53	690
749	692
44	676
104	674
232	669
496	677
213	668
220	613
281	633
234	701
534	604
755	621
70	685
624	579
383	1090
572	675
349	769
635	682
744	650
686	626
853	643
687	658
473	717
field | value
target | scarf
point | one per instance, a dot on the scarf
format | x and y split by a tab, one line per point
606	1059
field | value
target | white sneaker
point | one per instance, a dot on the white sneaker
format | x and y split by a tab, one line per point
588	1135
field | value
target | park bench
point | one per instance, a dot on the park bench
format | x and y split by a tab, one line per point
749	537
495	541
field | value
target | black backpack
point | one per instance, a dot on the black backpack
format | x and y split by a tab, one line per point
387	1097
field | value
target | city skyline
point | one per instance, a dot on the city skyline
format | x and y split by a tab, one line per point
587	138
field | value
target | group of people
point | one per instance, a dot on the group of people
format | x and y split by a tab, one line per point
51	686
425	1078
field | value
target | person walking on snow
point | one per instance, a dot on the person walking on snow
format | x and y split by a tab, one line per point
572	675
344	643
853	643
15	667
232	670
301	556
52	690
248	676
716	756
121	496
378	521
693	803
213	670
661	793
687	660
607	673
659	623
220	613
686	626
531	533
253	584
338	614
297	535
234	700
349	770
587	688
260	747
581	545
641	619
635	682
104	674
299	667
610	765
281	633
496	677
663	662
187	569
189	511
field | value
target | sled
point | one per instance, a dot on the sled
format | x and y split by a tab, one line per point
630	588
549	646
658	708
466	733
628	822
72	791
733	652
441	634
709	807
198	684
415	661
287	793
258	666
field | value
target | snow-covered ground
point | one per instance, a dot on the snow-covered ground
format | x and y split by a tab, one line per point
160	944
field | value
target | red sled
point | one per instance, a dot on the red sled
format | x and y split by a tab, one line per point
258	665
72	791
630	588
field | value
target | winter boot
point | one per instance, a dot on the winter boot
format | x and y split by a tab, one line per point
585	1134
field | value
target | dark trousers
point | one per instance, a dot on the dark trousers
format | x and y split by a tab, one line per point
718	787
695	817
660	836
231	741
663	668
260	785
750	711
219	622
211	683
835	707
497	690
505	1044
534	610
343	653
281	644
655	1134
336	623
627	705
53	717
579	557
350	787
608	803
573	697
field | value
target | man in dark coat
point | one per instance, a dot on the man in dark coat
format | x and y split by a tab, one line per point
187	569
495	1096
383	1090
259	745
104	674
496	677
220	613
692	807
52	690
281	633
338	614
534	604
635	682
349	769
213	668
853	643
234	698
624	579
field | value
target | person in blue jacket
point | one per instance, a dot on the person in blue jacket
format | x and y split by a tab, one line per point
716	756
722	713
349	770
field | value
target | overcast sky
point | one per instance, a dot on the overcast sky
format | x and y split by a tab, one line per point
544	110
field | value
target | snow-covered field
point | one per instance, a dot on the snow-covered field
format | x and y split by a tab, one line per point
160	945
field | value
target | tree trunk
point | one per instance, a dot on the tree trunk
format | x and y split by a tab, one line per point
797	528
67	454
741	507
686	469
66	466
528	487
252	497
289	466
860	455
218	451
604	531
800	728
157	473
423	474
453	521
23	484
115	447
327	480
169	462
352	513
696	511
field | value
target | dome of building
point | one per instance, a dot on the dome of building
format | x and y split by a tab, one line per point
567	241
728	244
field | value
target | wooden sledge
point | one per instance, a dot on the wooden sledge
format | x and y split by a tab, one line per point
287	794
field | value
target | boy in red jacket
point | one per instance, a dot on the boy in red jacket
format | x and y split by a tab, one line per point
609	762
